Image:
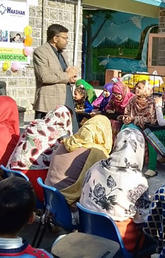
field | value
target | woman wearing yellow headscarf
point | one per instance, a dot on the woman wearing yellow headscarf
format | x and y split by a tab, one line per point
77	153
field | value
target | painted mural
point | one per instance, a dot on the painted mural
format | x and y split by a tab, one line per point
115	40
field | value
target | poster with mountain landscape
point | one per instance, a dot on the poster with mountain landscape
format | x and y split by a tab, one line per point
115	40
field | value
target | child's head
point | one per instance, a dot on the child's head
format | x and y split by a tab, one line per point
17	203
80	93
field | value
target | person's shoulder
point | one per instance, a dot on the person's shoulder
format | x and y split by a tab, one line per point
42	48
38	252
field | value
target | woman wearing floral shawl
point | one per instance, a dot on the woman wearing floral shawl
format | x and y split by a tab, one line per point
77	154
115	185
141	109
34	149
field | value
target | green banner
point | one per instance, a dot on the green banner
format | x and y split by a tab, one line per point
13	57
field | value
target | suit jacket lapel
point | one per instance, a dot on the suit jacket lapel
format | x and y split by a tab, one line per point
54	57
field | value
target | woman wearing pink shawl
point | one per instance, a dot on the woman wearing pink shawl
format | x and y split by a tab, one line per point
121	96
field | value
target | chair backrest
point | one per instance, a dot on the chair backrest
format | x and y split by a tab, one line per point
9	172
100	224
57	206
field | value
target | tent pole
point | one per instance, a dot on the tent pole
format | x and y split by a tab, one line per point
77	32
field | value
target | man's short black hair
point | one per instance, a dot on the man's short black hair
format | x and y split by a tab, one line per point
17	203
54	30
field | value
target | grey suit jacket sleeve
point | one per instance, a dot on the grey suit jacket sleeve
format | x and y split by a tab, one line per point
44	71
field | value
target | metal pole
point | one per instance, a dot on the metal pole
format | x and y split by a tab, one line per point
42	22
77	31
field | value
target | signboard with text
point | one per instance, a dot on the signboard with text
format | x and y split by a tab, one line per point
14	17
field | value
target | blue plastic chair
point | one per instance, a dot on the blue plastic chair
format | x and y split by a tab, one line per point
8	172
100	224
57	212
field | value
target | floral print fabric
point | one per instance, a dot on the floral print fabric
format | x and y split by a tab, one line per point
37	143
141	115
114	185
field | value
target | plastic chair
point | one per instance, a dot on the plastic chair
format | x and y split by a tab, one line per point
100	224
57	212
8	172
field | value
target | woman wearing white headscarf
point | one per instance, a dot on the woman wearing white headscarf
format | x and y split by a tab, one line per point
113	186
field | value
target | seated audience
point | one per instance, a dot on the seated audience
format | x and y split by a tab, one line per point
89	89
115	108
159	111
104	98
155	224
121	96
17	205
159	133
141	112
141	108
35	147
82	105
9	127
117	187
76	154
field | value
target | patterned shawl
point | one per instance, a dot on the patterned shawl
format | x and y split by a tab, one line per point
114	185
155	224
39	140
115	104
141	114
95	133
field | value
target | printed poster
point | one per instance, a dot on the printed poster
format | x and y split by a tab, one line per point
14	17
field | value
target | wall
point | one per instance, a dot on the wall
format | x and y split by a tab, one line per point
115	40
162	20
21	85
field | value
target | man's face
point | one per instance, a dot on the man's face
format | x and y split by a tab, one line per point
61	40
